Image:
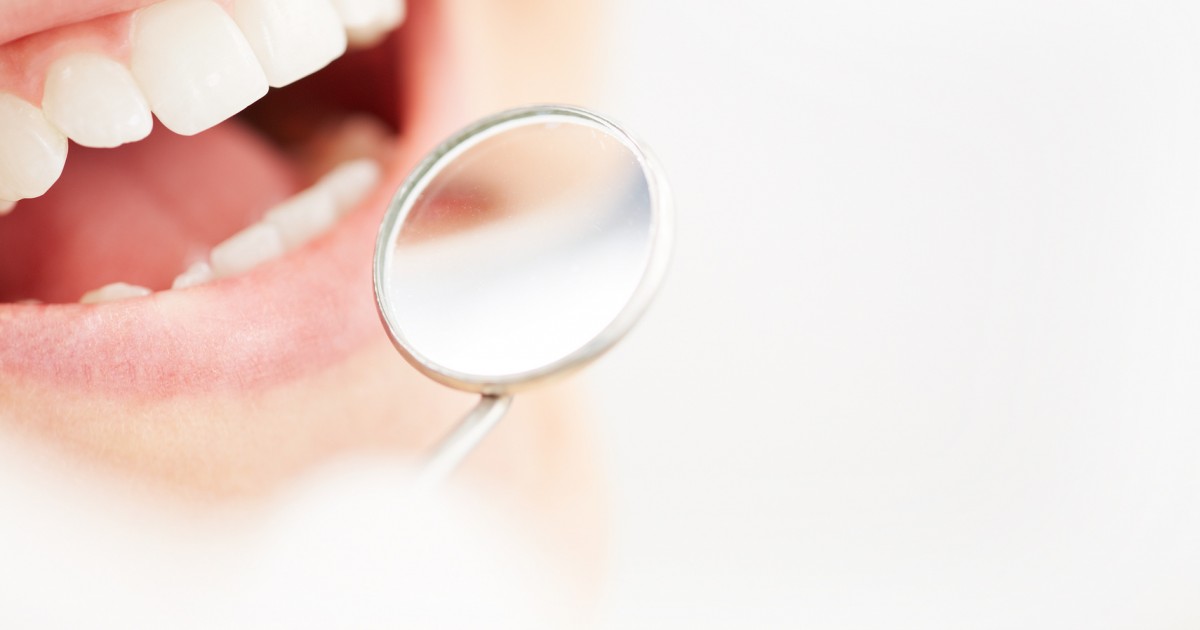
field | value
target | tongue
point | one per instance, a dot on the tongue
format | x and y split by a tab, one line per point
140	213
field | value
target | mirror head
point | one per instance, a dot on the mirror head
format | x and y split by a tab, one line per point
521	248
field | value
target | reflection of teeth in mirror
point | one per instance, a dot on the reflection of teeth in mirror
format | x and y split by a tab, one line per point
197	274
114	292
493	239
572	217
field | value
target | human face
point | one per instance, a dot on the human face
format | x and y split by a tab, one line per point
233	387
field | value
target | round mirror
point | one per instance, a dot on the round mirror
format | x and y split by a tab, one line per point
521	248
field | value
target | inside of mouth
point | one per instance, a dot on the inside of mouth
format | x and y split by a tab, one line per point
143	212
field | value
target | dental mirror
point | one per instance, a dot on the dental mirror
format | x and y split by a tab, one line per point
519	250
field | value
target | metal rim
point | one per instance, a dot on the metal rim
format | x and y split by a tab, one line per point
661	235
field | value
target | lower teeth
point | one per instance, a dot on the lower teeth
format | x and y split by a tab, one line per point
246	250
284	228
114	292
199	273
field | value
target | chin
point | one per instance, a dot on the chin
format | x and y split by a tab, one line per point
189	311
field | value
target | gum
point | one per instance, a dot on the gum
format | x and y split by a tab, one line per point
37	32
26	17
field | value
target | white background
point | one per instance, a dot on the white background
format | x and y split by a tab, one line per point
929	354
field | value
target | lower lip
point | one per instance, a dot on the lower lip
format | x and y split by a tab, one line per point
289	317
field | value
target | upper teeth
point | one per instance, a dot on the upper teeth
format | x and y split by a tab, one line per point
369	20
291	39
191	62
194	65
94	100
32	151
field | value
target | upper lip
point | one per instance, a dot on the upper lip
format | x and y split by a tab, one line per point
292	315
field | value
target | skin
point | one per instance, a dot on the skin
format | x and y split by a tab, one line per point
241	435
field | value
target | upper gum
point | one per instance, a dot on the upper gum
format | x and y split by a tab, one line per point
24	61
23	18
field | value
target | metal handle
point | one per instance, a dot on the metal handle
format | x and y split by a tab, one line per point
453	448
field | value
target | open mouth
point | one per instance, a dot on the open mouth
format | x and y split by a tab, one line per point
228	244
192	308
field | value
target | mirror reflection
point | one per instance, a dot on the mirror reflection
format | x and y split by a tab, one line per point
520	247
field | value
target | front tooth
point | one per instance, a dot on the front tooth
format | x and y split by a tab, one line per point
113	292
32	151
292	39
350	182
246	250
197	274
194	65
302	217
7	206
367	21
94	100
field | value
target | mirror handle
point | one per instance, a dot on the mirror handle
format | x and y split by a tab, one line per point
461	440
